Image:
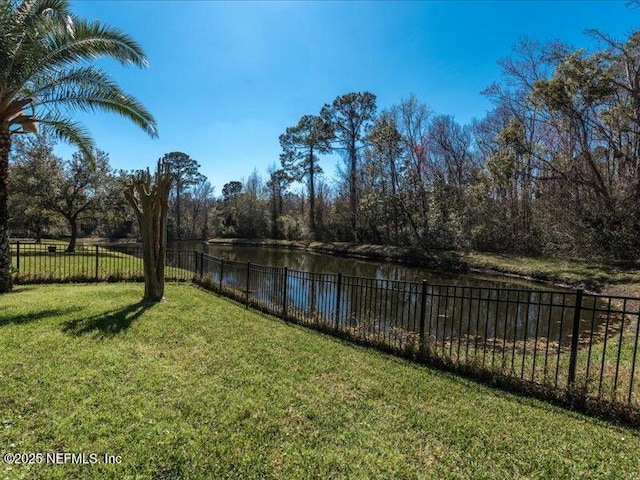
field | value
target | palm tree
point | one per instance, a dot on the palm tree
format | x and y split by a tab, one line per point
45	74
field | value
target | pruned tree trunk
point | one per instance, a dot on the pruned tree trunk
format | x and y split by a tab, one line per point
6	281
150	200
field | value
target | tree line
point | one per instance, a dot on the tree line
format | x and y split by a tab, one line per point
84	196
552	168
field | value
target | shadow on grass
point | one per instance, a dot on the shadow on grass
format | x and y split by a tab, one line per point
17	288
35	316
107	324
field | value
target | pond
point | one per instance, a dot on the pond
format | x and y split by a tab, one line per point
307	261
465	309
540	333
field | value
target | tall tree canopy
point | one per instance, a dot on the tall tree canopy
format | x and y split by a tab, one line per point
30	171
300	144
350	115
185	173
277	187
75	189
45	75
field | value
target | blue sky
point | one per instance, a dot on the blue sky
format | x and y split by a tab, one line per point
227	78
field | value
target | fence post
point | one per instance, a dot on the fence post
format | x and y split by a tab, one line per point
423	308
338	300
284	293
201	265
18	256
97	262
248	275
195	262
574	338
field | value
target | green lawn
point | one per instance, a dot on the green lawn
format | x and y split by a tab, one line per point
89	262
198	387
612	278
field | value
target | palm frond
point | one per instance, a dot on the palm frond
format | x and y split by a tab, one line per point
90	89
43	54
21	25
115	101
45	85
89	41
29	11
70	131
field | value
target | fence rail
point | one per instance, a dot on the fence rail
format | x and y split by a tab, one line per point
567	343
49	262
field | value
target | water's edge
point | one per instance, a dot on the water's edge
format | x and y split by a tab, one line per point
443	261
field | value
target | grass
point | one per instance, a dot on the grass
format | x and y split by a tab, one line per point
38	264
607	374
615	278
198	387
612	364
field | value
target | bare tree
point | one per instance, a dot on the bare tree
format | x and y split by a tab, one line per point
383	161
412	120
201	205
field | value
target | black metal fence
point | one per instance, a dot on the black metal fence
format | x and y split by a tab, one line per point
558	342
34	263
567	344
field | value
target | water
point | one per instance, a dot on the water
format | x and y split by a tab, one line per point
307	261
458	305
385	300
520	328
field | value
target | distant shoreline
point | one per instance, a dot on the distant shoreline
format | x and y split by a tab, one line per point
598	276
593	276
